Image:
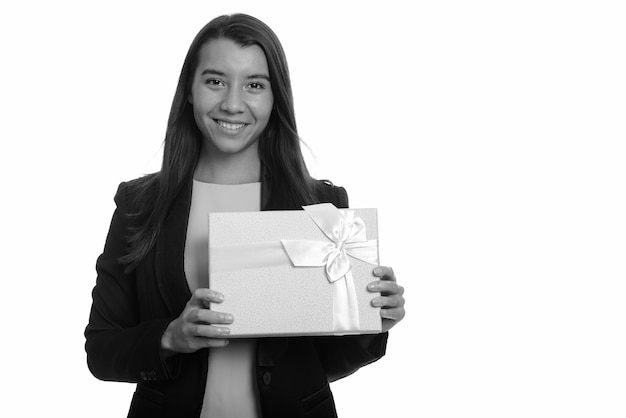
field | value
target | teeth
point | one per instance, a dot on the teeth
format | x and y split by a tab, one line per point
231	126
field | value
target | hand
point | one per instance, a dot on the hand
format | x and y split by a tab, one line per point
390	301
195	327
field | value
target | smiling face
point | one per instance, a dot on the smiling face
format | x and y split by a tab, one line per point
232	98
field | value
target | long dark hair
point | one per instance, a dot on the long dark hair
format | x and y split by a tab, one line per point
287	180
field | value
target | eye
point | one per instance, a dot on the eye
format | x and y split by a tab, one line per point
213	82
256	86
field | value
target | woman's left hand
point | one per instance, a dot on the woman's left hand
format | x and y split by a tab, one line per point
390	301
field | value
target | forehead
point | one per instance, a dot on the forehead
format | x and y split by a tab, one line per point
229	57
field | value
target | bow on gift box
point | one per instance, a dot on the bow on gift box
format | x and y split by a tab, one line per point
347	238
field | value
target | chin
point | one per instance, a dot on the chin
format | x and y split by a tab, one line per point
229	147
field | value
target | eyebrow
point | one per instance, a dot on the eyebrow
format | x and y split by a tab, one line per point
211	71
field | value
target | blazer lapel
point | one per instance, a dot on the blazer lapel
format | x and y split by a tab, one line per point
170	253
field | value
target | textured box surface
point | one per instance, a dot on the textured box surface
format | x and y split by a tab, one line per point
280	300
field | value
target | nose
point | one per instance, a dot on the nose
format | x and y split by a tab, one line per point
233	101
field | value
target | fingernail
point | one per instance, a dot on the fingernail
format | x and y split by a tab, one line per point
224	331
378	270
373	286
219	297
376	303
228	317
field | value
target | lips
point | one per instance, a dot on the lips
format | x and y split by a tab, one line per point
231	126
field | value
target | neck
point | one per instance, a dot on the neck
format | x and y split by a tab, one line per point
239	168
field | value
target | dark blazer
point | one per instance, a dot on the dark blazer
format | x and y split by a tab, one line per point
130	312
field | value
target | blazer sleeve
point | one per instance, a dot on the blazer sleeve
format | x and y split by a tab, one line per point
343	355
119	346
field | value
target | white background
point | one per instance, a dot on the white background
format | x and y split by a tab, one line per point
490	135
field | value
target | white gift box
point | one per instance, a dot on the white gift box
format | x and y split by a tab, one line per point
301	272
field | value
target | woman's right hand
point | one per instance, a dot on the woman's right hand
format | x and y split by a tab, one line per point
196	328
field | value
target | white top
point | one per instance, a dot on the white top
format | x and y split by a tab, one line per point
230	389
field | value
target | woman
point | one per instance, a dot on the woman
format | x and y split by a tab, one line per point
231	144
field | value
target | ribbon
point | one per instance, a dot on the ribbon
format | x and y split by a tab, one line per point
346	238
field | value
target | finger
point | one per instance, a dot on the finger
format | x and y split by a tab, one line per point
207	316
201	342
394	301
208	331
393	314
204	297
216	343
386	287
384	272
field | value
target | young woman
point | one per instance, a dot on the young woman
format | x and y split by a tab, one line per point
231	145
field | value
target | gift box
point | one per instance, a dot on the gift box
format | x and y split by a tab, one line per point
301	272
